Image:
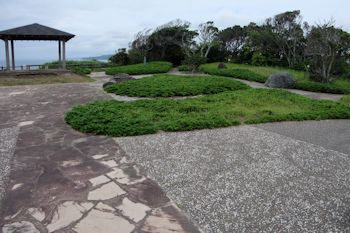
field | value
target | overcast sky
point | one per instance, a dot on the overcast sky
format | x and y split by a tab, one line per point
103	26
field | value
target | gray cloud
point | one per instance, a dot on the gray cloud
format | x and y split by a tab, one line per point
103	26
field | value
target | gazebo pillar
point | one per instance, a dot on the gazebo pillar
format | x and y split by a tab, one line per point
59	54
64	54
13	55
7	54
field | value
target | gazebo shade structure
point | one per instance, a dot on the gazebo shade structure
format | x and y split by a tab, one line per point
35	32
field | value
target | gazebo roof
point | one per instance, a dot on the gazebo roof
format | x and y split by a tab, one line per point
35	32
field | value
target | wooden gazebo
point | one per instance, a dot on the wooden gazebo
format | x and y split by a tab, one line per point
35	32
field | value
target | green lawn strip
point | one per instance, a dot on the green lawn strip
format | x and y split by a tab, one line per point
149	68
165	85
261	73
346	100
250	106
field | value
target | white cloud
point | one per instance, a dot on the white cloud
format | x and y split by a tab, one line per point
103	26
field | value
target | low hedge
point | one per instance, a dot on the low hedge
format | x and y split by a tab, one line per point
339	86
149	68
166	85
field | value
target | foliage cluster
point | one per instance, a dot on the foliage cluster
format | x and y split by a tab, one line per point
260	74
117	119
136	69
164	85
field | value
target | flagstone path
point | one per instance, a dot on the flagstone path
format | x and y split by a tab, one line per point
60	180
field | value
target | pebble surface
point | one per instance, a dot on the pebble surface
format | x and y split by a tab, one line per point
8	138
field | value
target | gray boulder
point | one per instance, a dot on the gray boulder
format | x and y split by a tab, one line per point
222	65
280	80
117	78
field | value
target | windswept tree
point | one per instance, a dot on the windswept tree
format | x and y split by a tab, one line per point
289	35
142	43
233	39
326	44
208	37
171	40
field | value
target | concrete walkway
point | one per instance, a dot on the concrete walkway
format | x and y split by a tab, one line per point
248	179
59	180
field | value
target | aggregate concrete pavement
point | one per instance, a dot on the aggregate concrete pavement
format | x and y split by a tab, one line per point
330	134
8	139
246	179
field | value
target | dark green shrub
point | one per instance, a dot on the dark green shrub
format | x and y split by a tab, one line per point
193	61
120	58
184	68
149	68
165	85
258	59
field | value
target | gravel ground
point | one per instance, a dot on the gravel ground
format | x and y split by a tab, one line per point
245	179
8	138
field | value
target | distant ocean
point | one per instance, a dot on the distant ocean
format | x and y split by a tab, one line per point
23	62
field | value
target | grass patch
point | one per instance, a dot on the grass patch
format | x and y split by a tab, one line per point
149	68
346	100
164	85
250	106
184	68
43	79
261	74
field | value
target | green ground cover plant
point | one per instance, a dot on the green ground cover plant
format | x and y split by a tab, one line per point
149	68
251	106
261	73
346	100
165	85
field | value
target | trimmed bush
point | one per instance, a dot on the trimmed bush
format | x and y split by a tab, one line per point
149	68
165	85
261	74
184	68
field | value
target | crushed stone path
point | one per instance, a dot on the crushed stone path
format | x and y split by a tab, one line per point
61	180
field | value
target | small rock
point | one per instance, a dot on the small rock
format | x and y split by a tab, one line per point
280	80
222	65
117	78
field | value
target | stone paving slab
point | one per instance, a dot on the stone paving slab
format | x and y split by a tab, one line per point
64	181
245	179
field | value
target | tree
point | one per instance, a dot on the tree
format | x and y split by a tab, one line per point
207	36
289	35
233	39
120	58
325	44
142	43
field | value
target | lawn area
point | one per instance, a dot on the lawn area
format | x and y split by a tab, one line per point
165	85
346	100
249	106
261	73
149	68
43	79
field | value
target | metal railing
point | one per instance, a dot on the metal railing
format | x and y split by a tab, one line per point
54	66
